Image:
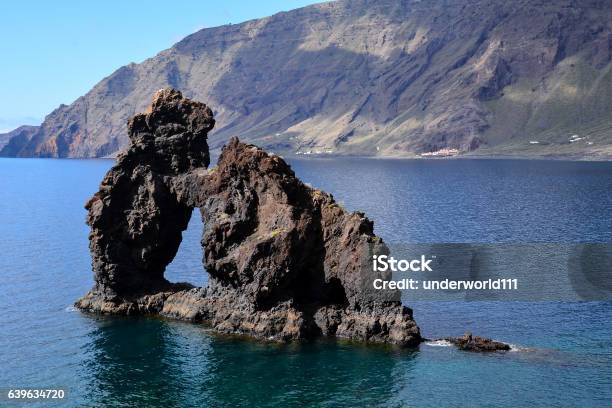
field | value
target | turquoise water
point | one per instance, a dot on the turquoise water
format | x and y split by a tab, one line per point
565	348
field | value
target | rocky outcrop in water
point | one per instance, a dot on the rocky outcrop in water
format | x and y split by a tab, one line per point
285	261
467	342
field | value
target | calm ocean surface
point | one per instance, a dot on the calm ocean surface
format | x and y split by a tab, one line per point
565	357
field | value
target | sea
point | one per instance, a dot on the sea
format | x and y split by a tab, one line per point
561	349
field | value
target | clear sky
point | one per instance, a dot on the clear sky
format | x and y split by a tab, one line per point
55	51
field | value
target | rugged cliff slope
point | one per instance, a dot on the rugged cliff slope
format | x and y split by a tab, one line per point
374	77
17	139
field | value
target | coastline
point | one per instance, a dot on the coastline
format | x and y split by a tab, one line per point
577	158
292	156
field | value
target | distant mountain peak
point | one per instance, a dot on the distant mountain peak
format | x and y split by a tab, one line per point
394	78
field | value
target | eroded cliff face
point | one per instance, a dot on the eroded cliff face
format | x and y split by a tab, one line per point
384	77
285	260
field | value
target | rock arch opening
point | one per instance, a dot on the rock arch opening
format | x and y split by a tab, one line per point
187	265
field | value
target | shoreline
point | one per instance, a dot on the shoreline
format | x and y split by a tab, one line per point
293	156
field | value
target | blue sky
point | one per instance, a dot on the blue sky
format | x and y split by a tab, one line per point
55	51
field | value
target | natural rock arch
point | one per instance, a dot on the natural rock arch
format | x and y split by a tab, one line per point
285	260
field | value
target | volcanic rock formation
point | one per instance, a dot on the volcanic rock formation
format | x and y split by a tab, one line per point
285	260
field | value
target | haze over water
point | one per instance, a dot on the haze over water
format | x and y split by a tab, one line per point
565	348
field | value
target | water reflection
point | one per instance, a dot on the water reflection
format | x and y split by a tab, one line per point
152	362
146	361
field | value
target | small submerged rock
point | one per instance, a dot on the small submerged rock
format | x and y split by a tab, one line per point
467	342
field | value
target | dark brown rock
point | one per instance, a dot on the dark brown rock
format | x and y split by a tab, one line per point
480	344
136	220
285	260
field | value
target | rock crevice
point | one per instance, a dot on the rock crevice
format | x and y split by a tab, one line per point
285	261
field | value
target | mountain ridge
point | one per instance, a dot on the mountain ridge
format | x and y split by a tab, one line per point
380	78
